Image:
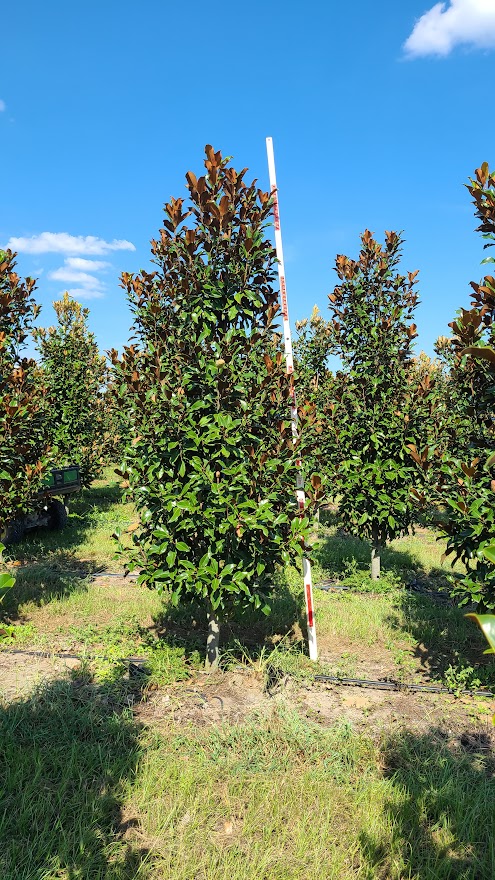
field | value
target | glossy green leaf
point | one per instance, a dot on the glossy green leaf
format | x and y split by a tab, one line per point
486	623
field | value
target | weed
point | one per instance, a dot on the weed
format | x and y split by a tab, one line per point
461	678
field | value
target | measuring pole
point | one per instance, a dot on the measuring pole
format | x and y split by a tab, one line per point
289	362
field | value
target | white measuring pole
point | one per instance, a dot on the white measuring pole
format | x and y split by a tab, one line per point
301	498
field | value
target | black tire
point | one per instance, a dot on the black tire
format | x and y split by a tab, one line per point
58	515
14	532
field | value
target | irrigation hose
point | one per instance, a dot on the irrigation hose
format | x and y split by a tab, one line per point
385	685
390	685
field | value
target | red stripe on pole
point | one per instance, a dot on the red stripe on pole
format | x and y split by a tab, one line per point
276	215
283	295
301	501
309	600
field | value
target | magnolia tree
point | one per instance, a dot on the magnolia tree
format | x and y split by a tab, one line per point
369	419
74	374
317	384
465	485
24	431
212	463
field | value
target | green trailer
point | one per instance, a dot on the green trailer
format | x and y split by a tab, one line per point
52	509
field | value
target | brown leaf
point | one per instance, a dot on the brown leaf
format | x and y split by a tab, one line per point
192	179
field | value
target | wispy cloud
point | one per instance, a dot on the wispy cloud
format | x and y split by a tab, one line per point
86	265
84	293
72	275
74	271
3	106
63	243
446	25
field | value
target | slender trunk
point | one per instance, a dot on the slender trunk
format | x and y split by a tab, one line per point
376	549
212	642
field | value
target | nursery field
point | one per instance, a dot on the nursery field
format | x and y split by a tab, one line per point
256	771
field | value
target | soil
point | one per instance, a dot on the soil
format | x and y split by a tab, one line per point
22	671
231	697
235	695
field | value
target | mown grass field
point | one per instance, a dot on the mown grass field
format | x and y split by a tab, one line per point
256	773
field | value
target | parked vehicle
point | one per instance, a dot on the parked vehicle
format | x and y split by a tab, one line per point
52	511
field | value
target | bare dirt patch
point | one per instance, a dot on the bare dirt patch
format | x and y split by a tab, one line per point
204	700
21	671
232	697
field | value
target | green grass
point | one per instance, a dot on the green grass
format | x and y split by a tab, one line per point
95	514
56	606
89	795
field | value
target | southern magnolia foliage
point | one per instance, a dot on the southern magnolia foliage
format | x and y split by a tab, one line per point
371	406
212	466
24	425
465	486
74	374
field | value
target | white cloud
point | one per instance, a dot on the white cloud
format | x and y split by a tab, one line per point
450	24
86	265
83	293
63	243
73	275
89	286
3	106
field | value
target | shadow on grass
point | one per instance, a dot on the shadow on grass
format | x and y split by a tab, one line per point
66	754
85	508
443	637
185	626
333	552
50	568
40	583
441	814
425	616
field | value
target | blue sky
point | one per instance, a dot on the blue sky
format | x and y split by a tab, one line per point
378	112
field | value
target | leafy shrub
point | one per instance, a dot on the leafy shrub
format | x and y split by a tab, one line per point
24	418
212	464
74	375
465	486
367	405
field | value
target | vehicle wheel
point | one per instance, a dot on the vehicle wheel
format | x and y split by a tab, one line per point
58	515
14	532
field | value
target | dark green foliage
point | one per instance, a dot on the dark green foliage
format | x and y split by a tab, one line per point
465	487
212	466
317	384
24	441
370	416
74	373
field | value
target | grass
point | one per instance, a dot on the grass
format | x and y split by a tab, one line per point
55	605
90	792
95	514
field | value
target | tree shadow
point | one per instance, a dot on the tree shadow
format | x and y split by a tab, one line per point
244	631
443	636
332	552
440	809
41	583
66	753
46	564
424	612
85	508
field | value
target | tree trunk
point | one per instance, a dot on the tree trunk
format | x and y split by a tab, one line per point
212	642
376	549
